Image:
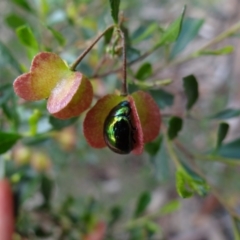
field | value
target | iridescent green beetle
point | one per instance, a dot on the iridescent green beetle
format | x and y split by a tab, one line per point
118	130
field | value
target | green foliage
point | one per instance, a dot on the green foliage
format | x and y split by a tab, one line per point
171	34
162	98
8	59
170	207
7	141
14	21
80	190
143	201
144	32
175	126
46	190
190	85
222	51
114	4
152	148
189	182
58	36
230	150
27	38
144	71
222	133
226	114
190	29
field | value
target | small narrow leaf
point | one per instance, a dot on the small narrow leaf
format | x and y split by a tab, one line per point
190	85
58	36
226	114
7	140
114	4
144	71
46	189
175	126
189	31
27	37
14	21
170	207
230	150
8	59
181	182
108	36
162	98
144	32
153	147
115	214
142	203
23	4
222	133
172	32
222	51
5	93
189	182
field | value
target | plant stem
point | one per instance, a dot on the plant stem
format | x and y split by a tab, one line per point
80	58
124	64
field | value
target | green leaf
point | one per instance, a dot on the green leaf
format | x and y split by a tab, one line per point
171	34
14	21
181	181
108	36
144	71
153	147
115	214
226	114
27	37
144	32
162	98
142	203
222	133
8	59
7	140
58	36
59	124
175	126
170	207
114	4
190	85
189	182
23	4
222	51
189	31
132	54
6	92
46	189
230	150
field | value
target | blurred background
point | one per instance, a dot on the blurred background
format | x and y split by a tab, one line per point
64	186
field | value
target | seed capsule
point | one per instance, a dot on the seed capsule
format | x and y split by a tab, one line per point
118	130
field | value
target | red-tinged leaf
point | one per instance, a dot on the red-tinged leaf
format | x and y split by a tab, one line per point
70	97
94	120
6	211
149	115
46	71
138	134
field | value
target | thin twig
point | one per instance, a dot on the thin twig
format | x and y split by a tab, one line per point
80	58
124	64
